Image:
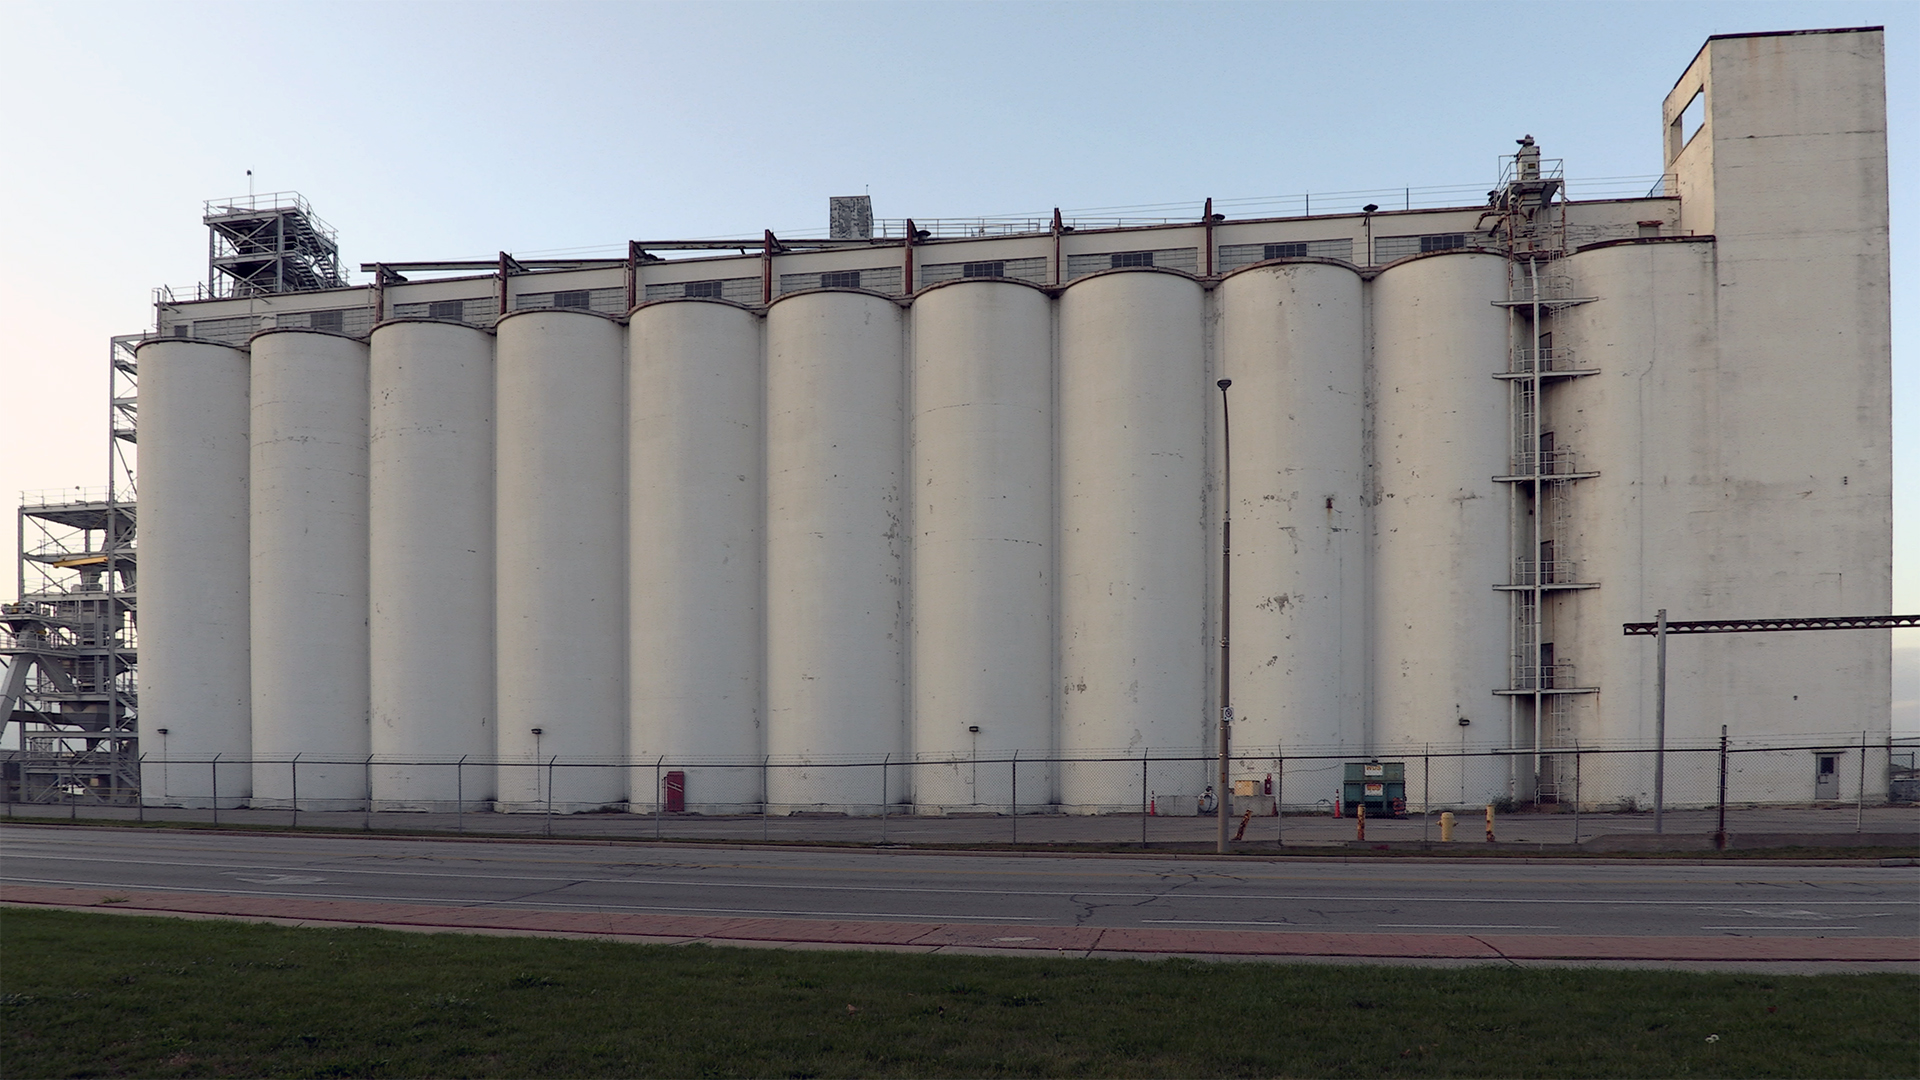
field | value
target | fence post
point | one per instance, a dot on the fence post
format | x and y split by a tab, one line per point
1720	834
140	793
883	797
656	795
1143	796
763	796
366	820
214	768
1280	797
293	767
1014	806
1576	792
1426	790
1860	807
460	794
550	762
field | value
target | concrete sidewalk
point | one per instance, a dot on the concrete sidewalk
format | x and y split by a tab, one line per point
1834	827
1817	953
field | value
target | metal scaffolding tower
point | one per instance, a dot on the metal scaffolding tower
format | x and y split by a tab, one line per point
69	638
273	243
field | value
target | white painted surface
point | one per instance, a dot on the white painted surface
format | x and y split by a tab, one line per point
1440	542
982	513
696	500
194	670
836	591
1134	633
560	536
308	519
1293	340
430	568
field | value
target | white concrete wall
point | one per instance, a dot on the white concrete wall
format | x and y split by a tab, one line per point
982	491
695	509
307	505
430	568
560	536
194	670
1133	400
835	559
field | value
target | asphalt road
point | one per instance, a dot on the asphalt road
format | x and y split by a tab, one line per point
1635	899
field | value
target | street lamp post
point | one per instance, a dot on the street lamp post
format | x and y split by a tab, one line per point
1226	592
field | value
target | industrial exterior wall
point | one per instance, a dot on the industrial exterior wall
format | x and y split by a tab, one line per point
696	443
307	504
430	562
1293	340
194	626
561	571
982	513
1132	424
1792	490
836	538
1440	521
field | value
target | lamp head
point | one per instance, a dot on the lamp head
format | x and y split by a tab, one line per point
1224	383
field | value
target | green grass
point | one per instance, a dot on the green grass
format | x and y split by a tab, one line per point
110	995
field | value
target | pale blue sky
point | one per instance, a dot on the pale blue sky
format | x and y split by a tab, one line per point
448	130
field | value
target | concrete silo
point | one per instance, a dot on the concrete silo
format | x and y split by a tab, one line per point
982	515
1133	616
696	498
836	570
307	506
430	563
194	696
1293	340
1440	522
561	569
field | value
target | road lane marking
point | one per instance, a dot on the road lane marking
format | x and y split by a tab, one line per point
1464	926
1218	922
1802	926
544	905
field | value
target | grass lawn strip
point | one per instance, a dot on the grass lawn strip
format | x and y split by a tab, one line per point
111	995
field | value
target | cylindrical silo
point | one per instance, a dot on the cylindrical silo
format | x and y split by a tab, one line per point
696	499
194	697
835	535
308	520
561	569
1293	340
1134	396
982	490
1441	521
1646	422
430	563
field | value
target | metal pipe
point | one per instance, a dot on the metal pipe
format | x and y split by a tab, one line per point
214	768
460	794
1014	808
1660	723
1226	594
293	767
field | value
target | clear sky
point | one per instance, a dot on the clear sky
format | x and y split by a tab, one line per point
445	130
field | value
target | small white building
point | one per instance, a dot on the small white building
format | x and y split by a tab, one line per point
944	494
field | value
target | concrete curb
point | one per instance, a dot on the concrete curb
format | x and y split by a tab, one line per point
1079	941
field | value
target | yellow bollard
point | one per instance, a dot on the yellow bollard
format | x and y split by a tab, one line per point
1489	823
1360	820
1446	827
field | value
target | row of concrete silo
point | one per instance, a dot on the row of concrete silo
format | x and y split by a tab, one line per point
842	528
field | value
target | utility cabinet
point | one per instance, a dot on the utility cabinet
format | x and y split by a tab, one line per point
1380	786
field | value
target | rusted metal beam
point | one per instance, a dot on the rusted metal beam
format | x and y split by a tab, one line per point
1748	626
